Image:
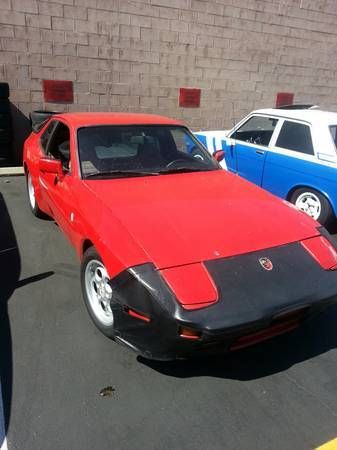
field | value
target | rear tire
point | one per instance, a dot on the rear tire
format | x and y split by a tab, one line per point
314	204
34	207
97	292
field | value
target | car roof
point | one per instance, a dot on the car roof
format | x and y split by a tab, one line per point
308	115
82	119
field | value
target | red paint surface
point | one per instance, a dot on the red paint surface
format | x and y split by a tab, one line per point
322	251
284	99
83	119
193	306
58	91
189	98
181	219
51	166
192	285
170	220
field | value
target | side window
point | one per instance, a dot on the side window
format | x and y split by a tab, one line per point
295	136
257	130
46	135
59	144
333	131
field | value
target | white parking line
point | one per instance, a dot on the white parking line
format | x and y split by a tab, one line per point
4	445
3	440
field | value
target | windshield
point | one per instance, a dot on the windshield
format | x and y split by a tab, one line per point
140	150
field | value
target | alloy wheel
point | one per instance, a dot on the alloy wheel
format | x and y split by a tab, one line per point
99	291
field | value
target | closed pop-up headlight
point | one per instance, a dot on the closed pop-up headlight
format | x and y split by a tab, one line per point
192	285
323	249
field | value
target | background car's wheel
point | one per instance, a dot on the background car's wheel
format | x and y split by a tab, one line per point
314	204
32	198
97	292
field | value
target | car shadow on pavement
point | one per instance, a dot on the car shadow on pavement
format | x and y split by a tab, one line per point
313	338
10	266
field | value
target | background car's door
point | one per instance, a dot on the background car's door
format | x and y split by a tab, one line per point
251	143
217	140
228	145
57	191
291	160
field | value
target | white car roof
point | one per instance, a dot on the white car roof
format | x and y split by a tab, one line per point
313	116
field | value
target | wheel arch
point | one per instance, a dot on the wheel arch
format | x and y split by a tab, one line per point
323	193
111	262
87	243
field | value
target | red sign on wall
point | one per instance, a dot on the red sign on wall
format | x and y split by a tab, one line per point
189	98
58	91
284	99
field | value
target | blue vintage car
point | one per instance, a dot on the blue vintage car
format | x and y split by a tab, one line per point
290	152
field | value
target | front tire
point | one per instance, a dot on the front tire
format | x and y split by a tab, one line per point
34	207
314	204
97	292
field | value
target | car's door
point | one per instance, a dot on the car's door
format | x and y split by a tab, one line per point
250	142
58	191
291	159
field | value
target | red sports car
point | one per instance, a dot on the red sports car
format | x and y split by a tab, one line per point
177	255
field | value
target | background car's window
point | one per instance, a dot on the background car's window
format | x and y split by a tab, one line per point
295	136
143	148
59	144
183	142
257	130
333	131
46	135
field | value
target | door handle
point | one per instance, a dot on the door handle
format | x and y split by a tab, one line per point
260	152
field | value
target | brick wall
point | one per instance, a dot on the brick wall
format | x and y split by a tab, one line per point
133	55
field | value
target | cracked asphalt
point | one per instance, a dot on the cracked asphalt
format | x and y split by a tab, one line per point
278	395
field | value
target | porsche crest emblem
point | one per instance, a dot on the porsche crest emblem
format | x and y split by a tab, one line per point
266	263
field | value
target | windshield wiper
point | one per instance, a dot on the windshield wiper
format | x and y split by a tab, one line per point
184	169
120	173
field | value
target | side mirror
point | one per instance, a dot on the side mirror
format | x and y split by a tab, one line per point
48	165
219	155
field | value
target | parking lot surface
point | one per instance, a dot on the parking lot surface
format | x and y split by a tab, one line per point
278	395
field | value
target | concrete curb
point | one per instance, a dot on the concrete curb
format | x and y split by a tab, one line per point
11	171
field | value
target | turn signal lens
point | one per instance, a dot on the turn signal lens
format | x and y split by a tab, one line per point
188	333
137	315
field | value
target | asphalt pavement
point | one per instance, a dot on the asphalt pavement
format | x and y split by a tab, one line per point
54	363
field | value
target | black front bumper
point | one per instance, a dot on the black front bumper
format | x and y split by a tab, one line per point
251	299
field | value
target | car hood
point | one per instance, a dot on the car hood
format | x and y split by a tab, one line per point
180	219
